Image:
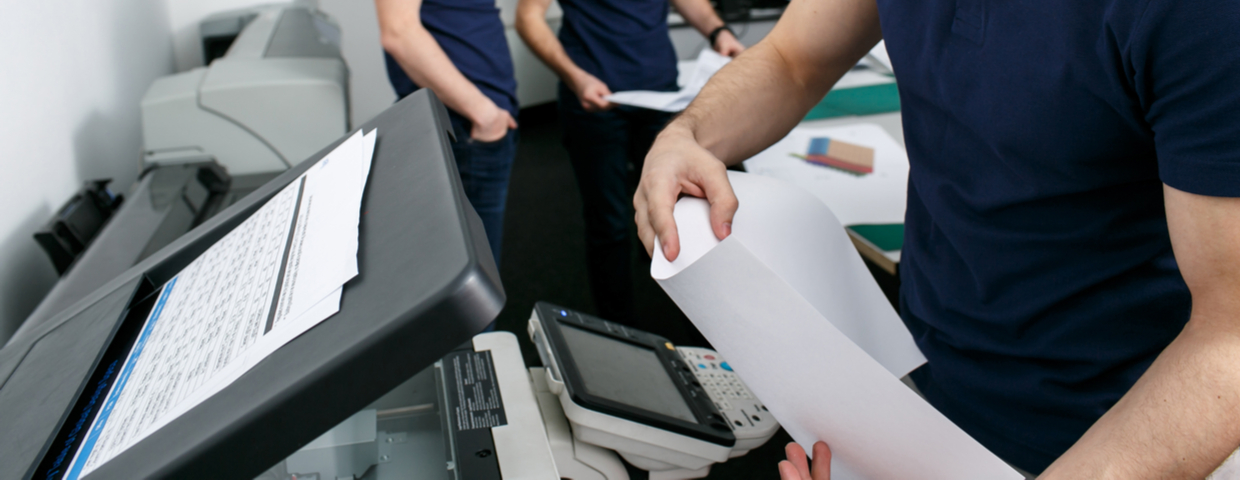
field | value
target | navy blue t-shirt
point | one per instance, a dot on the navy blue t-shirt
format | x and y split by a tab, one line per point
472	35
1038	275
624	43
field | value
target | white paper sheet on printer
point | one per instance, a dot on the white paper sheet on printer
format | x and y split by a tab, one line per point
788	301
267	281
708	62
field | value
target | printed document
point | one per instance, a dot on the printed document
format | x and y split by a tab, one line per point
788	301
274	276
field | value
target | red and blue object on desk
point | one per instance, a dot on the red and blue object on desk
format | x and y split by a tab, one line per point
849	157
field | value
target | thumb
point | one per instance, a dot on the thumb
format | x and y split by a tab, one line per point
512	122
723	203
603	90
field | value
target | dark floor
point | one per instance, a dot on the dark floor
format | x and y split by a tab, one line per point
544	259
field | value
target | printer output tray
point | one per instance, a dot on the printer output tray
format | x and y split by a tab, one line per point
427	284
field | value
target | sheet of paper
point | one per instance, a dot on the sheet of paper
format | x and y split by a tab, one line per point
693	75
879	54
323	253
274	276
862	77
788	301
875	198
707	63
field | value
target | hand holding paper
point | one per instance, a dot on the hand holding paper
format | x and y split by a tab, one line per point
787	299
797	466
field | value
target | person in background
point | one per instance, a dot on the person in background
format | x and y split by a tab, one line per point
607	46
457	49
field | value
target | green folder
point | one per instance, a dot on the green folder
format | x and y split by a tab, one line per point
887	237
866	100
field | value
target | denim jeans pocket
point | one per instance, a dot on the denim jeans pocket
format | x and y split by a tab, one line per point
492	144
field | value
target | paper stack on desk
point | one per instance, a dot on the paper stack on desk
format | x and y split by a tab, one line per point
788	301
272	278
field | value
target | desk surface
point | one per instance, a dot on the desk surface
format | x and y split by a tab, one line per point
891	124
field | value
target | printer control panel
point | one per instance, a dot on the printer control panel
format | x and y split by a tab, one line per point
747	416
627	373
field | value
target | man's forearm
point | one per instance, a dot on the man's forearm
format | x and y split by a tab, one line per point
749	105
757	98
1181	420
533	29
699	14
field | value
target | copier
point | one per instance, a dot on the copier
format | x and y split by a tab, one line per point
400	382
274	92
278	93
604	392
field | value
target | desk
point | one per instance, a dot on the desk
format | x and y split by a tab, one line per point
892	124
768	163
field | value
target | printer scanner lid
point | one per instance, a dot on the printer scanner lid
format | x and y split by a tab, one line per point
427	283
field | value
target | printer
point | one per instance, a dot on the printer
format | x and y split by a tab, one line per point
276	96
274	93
603	392
377	391
392	386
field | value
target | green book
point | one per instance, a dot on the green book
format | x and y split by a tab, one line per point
866	100
887	237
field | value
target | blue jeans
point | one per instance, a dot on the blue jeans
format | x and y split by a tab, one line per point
607	150
484	168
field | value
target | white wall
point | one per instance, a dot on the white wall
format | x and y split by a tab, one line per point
73	72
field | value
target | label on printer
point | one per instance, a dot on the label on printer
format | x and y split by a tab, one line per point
473	391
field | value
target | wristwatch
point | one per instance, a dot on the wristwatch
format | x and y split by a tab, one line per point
714	34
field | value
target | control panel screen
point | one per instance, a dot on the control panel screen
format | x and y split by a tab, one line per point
625	373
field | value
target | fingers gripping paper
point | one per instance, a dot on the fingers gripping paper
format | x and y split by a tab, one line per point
788	301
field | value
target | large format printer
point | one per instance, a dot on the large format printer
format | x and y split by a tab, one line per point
274	92
376	391
277	96
364	395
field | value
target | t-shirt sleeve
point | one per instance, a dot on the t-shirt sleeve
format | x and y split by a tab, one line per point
1185	66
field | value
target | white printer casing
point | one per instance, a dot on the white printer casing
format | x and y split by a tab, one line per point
279	95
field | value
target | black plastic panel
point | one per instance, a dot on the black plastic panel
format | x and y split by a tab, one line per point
427	283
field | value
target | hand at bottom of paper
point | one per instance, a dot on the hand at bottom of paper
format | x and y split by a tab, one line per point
797	467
